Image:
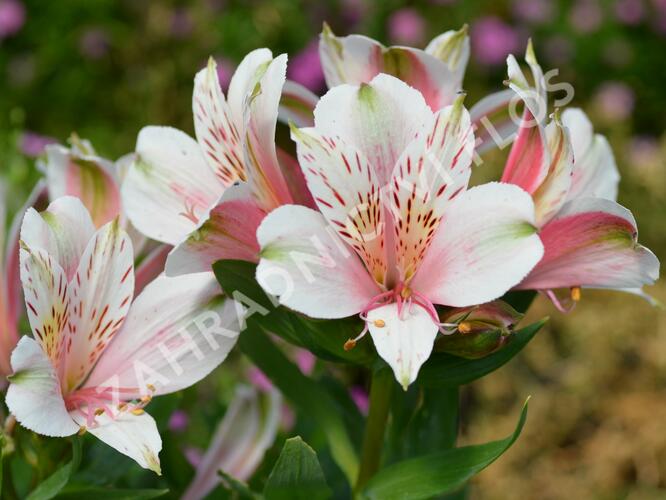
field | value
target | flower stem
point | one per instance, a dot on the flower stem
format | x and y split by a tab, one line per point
381	389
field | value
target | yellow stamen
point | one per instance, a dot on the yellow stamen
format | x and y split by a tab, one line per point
349	345
146	399
379	323
464	327
82	430
99	411
151	387
575	293
137	411
122	406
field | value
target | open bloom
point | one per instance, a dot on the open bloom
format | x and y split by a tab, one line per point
397	232
96	357
181	191
589	239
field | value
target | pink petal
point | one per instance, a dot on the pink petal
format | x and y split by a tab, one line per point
151	267
297	104
592	242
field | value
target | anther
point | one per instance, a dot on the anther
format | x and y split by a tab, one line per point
82	430
99	411
122	406
151	387
379	323
464	327
146	399
349	345
137	411
575	293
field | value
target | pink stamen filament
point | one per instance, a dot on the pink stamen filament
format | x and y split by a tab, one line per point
556	302
90	400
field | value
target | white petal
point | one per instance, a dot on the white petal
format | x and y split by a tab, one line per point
34	396
379	119
169	188
244	79
309	267
486	244
100	293
404	340
133	435
63	230
178	330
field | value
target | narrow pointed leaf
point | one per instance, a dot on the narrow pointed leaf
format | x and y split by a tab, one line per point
297	474
438	473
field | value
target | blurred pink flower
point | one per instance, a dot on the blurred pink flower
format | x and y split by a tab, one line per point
178	421
353	11
533	11
193	456
360	396
181	23
305	67
12	17
259	379
629	11
225	69
406	26
644	152
558	49
305	361
33	144
94	43
493	40
614	101
586	16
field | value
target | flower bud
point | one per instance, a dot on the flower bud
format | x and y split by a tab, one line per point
482	329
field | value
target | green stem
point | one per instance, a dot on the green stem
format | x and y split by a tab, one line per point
381	389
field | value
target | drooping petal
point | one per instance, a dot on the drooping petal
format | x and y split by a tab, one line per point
260	116
72	172
34	396
403	338
100	293
216	129
133	435
47	300
433	170
177	331
306	264
486	244
379	119
592	242
356	59
347	192
452	48
552	193
228	233
169	188
297	104
63	230
595	172
248	429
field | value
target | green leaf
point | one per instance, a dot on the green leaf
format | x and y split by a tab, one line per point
309	397
297	474
446	370
438	473
325	339
236	486
52	485
77	493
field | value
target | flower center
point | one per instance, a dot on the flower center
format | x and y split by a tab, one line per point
93	402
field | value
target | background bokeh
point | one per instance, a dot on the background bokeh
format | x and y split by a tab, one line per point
597	427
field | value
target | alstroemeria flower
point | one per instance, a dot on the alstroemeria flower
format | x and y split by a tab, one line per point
437	72
589	239
181	191
96	356
398	232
